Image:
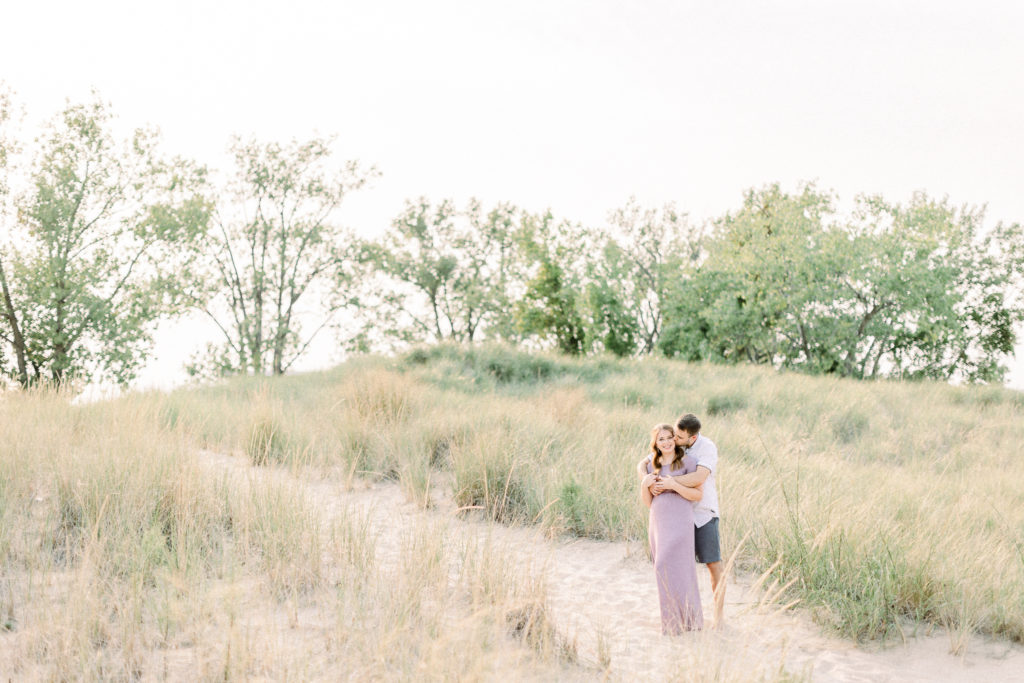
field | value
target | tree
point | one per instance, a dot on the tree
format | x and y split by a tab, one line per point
443	275
105	228
275	240
552	308
13	335
613	323
939	296
908	291
756	275
644	257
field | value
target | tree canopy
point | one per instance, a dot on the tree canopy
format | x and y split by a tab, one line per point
276	239
104	236
103	230
915	290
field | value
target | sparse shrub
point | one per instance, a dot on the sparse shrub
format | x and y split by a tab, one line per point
506	365
440	452
849	425
636	397
577	510
518	368
169	415
267	442
484	481
160	555
421	355
354	542
275	525
377	396
531	623
722	403
530	449
570	505
867	593
982	395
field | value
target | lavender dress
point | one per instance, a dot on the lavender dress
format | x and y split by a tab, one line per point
670	531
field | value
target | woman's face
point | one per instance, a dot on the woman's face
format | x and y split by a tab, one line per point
666	442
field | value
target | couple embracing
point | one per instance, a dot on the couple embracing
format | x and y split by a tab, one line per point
677	483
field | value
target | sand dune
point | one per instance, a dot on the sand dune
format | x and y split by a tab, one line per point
603	596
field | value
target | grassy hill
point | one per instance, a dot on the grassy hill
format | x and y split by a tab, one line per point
882	506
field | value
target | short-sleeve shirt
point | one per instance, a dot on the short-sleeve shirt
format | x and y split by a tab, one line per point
705	453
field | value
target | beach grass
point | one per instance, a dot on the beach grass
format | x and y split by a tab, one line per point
889	505
125	558
883	508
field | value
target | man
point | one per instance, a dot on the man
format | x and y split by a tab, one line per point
707	546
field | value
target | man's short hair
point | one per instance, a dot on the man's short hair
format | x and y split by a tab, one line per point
688	423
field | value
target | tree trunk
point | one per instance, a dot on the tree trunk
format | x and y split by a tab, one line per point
17	339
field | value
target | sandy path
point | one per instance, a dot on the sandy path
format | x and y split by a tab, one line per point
603	595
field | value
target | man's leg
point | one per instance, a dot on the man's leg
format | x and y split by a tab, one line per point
708	549
717	589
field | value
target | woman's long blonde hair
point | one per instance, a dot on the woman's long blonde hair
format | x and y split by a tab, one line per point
656	459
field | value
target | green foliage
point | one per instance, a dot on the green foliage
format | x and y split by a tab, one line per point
644	262
277	239
613	325
514	276
442	274
910	291
107	228
907	291
552	308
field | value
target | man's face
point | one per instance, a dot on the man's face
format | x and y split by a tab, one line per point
685	439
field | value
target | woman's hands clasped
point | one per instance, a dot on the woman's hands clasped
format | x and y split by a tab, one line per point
663	484
657	484
660	485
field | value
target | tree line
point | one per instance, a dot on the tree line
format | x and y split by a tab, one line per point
103	237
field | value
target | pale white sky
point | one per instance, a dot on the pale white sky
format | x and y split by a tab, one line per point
573	105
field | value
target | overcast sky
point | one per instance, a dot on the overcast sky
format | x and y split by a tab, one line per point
572	105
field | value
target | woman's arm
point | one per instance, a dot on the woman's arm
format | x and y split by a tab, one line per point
641	467
645	488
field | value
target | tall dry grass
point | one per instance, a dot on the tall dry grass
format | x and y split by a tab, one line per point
884	507
125	557
888	505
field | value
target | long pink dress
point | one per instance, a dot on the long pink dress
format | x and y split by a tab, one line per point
670	532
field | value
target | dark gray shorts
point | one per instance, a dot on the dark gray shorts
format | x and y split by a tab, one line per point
705	542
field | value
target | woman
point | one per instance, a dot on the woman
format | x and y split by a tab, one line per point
670	531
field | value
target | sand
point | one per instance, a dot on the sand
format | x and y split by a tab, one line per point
602	595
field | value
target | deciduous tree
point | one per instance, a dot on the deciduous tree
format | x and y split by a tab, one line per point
631	278
552	308
443	274
104	230
915	290
275	239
